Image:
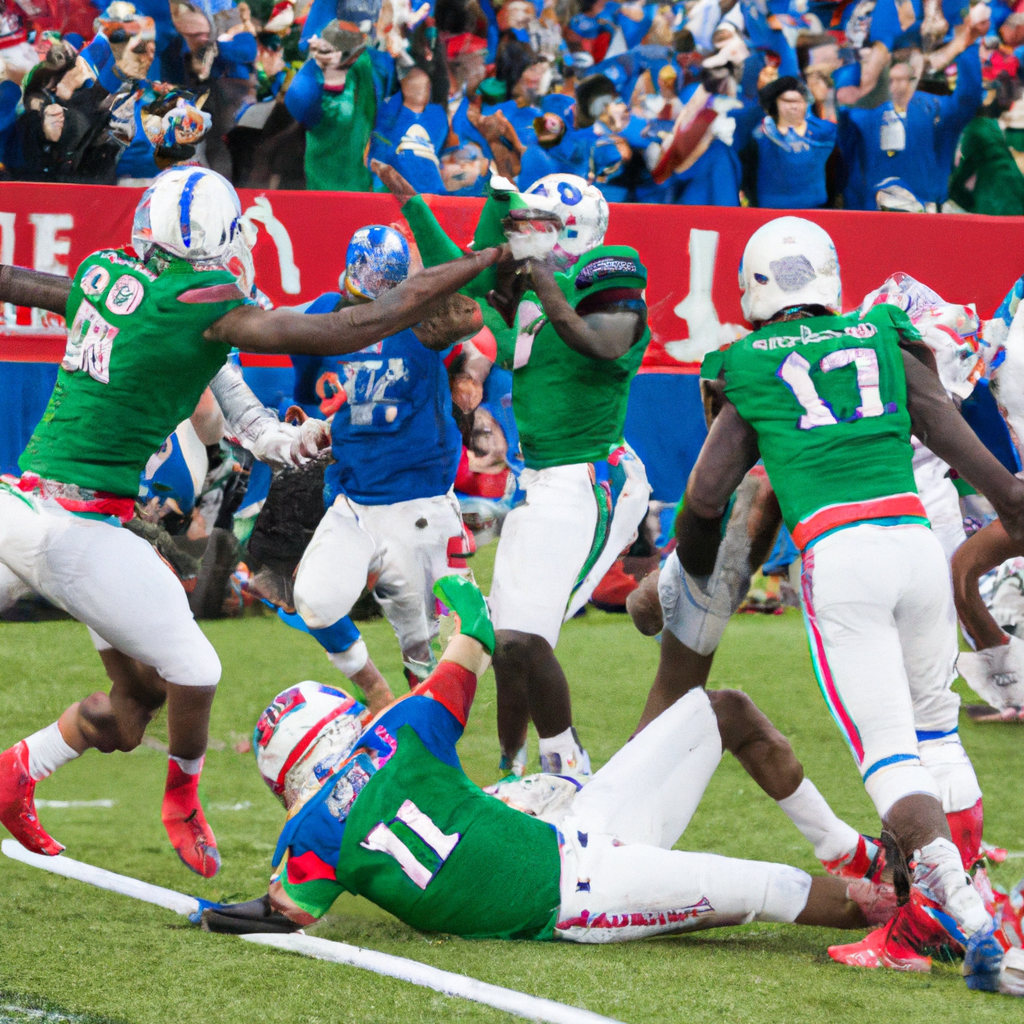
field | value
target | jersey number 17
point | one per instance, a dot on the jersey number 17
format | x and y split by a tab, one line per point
795	372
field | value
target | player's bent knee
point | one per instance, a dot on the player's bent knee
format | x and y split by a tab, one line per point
738	717
351	660
892	783
513	645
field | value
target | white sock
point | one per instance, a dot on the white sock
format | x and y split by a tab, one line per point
830	836
189	766
47	751
564	744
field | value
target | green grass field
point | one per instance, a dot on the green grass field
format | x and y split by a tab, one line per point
84	955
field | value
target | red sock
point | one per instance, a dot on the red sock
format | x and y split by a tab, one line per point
965	827
451	685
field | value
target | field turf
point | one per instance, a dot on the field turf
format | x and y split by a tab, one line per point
70	953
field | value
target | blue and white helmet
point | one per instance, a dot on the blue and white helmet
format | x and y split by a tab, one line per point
194	214
376	261
582	209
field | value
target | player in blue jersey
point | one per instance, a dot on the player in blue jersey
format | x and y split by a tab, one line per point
392	520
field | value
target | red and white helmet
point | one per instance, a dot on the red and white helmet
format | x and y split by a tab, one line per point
304	734
950	330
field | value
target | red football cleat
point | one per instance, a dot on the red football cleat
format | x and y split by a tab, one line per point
18	805
867	861
899	945
190	835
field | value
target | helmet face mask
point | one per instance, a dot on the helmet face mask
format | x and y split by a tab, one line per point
303	735
788	262
951	331
582	209
377	260
194	214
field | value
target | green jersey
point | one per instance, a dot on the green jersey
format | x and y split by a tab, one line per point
427	845
336	144
827	397
135	366
570	408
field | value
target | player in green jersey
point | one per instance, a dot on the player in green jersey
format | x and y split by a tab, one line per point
148	331
388	814
573	329
827	401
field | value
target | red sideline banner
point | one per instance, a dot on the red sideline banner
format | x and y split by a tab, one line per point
692	254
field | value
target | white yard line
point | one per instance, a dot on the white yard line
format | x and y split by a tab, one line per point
412	971
73	804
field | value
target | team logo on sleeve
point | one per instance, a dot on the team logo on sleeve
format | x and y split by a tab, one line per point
94	280
125	295
608	266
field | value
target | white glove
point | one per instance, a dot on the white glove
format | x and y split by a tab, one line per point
286	445
996	674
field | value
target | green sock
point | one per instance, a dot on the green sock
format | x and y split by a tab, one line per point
464	598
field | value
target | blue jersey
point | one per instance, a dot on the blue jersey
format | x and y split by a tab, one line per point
394	436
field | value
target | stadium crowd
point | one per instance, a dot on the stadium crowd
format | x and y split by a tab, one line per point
911	105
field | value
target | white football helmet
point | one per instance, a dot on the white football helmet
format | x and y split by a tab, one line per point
194	214
304	734
950	330
789	262
582	209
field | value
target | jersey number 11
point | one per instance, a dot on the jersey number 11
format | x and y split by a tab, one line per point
382	840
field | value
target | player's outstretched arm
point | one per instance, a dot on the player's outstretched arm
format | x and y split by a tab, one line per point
988	548
599	335
941	428
23	287
354	327
728	453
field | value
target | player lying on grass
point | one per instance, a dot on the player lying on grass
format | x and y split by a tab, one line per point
149	330
391	816
828	401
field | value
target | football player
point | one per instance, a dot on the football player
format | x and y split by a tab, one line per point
392	517
828	401
387	813
149	329
573	333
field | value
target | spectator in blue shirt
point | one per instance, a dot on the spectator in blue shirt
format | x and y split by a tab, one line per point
903	138
784	163
410	133
559	149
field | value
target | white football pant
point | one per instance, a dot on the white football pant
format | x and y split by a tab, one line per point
622	880
400	549
876	605
109	579
546	543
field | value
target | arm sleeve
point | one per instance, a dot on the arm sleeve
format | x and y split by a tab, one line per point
961	106
434	244
311	883
320	13
303	96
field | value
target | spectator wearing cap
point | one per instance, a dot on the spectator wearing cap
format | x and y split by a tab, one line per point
467	68
987	177
410	132
784	163
333	97
904	137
